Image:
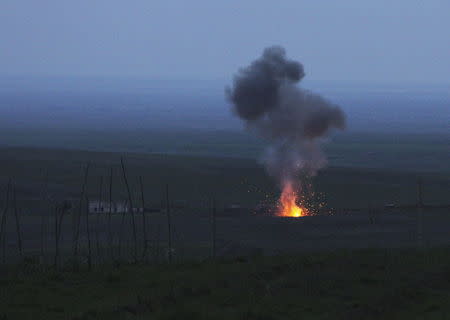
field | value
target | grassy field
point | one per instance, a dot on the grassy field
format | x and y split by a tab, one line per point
380	150
351	284
194	180
365	284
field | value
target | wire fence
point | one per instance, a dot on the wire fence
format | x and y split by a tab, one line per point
98	229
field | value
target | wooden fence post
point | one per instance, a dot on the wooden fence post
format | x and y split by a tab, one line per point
88	233
169	224
80	211
213	228
18	229
131	209
110	240
144	222
3	221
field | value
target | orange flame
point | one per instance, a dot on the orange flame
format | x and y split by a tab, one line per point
288	203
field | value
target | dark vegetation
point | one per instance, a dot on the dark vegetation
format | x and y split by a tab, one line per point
364	284
363	170
365	174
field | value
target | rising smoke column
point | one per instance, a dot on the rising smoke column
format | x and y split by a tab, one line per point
266	97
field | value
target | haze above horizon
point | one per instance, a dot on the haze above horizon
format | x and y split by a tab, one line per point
347	41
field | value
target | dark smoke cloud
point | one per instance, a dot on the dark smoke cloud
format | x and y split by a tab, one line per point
265	95
256	88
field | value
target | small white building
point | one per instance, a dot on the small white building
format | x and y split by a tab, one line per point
96	206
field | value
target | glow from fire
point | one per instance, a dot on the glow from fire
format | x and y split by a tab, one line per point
288	204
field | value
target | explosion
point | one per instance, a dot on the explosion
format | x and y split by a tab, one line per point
266	96
287	206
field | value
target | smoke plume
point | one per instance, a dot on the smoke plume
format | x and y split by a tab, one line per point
266	97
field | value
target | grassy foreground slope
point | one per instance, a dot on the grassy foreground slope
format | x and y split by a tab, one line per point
369	284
